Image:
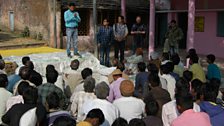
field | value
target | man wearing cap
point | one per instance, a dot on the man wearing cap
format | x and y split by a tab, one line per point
129	106
115	86
72	21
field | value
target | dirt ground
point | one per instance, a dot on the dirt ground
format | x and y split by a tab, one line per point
8	39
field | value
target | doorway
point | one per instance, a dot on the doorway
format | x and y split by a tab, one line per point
182	23
161	29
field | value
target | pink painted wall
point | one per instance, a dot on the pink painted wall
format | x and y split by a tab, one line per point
200	4
207	41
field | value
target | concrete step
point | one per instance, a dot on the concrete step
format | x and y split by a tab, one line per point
21	45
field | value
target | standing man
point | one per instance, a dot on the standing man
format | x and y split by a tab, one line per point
173	36
72	20
120	31
105	37
138	31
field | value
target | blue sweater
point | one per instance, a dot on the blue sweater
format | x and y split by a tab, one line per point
71	19
215	112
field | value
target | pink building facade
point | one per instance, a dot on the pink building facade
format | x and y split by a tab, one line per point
204	20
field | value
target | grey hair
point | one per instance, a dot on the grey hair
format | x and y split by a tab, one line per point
102	90
89	84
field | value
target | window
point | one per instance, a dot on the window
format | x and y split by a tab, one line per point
220	24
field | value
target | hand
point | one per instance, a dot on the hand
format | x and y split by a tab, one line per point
75	14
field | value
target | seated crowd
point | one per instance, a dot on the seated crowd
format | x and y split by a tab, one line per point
163	93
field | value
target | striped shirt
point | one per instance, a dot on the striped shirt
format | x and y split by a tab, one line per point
105	35
77	102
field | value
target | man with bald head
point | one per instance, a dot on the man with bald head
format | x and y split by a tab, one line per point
138	31
25	74
72	76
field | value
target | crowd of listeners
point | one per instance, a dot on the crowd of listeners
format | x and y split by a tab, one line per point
165	92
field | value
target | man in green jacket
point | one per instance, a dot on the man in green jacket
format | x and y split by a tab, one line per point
173	36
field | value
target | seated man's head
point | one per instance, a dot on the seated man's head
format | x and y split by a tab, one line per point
191	52
210	58
64	121
3	81
182	86
52	101
211	91
165	69
175	59
152	68
25	59
117	74
102	90
154	80
120	122
194	59
86	73
165	56
152	108
89	84
2	64
170	65
187	75
115	62
141	67
139	52
23	86
25	73
121	66
137	122
74	64
127	88
30	95
196	92
30	65
184	101
52	76
50	68
154	55
95	117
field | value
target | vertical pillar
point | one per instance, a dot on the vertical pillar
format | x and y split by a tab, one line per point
151	27
58	24
123	8
191	18
95	28
51	23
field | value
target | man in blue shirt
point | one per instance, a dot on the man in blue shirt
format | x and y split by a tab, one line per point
105	37
213	69
72	20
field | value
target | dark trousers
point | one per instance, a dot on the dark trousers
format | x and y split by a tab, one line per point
104	55
119	48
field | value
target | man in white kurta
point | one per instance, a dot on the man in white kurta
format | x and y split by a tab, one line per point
129	106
